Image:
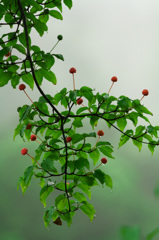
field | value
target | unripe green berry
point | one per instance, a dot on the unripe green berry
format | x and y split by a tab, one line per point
59	37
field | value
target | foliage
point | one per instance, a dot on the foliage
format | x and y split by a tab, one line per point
58	164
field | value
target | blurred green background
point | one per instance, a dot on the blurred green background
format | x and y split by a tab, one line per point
101	39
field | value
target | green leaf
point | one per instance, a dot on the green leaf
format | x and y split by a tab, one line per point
151	147
89	180
59	56
139	130
121	123
138	144
103	143
50	76
24	112
34	4
107	151
140	108
81	163
48	215
152	130
95	155
39	76
48	165
78	122
22	39
99	175
55	14
85	189
68	3
81	109
130	233
89	210
20	48
151	235
4	51
77	138
124	138
108	181
5	77
17	130
79	196
124	102
44	193
63	204
28	79
133	116
24	181
40	27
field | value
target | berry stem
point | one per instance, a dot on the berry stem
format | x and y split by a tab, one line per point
73	82
110	87
29	98
40	143
96	167
84	106
34	159
96	142
142	98
54	46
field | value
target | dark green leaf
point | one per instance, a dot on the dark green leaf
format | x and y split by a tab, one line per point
5	77
68	3
99	175
48	215
59	56
89	180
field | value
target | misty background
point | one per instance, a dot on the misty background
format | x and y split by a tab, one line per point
101	39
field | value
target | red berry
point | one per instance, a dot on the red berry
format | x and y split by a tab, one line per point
145	92
103	160
28	126
7	55
33	137
24	151
72	70
68	139
79	101
22	86
114	79
100	133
